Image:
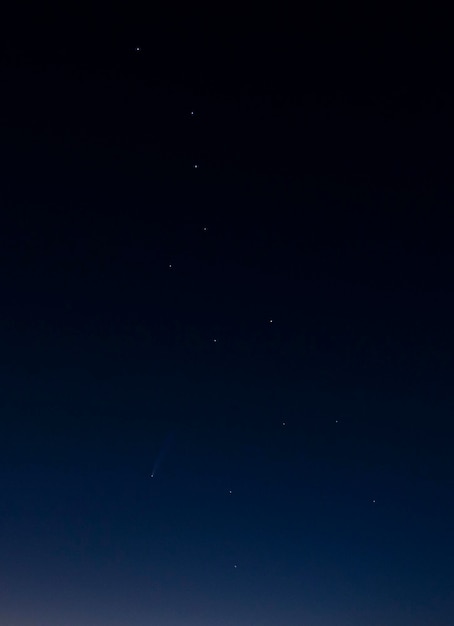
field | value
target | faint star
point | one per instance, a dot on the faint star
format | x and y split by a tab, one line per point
271	321
137	49
192	112
230	491
235	566
170	266
373	501
214	340
196	166
283	423
205	228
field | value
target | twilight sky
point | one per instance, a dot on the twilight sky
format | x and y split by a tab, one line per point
226	260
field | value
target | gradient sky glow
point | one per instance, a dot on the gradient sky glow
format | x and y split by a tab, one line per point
304	466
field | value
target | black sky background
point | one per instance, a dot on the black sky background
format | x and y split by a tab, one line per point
325	184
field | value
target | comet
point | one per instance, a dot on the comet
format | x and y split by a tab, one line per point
161	454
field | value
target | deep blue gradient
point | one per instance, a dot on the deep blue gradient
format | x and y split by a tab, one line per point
305	463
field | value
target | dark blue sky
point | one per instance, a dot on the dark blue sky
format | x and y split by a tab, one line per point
303	466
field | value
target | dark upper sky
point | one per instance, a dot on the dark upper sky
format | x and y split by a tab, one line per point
269	333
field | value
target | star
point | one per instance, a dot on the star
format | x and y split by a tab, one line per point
214	340
271	321
205	228
283	423
192	112
230	491
196	167
170	266
137	49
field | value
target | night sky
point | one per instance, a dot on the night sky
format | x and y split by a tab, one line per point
226	323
